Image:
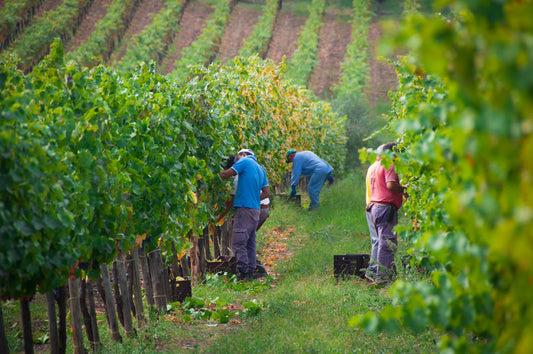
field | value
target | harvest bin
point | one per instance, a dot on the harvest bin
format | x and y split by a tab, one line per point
350	264
222	264
180	289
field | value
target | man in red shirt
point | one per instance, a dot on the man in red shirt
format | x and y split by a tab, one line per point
386	198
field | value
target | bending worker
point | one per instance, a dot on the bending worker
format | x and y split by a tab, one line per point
308	164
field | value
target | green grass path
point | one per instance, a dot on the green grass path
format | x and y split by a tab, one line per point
307	310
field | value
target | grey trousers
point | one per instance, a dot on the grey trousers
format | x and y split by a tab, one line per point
243	238
387	239
372	268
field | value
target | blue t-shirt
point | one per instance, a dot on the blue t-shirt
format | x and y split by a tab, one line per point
252	178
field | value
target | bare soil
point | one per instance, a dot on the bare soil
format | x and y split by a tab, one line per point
193	21
382	75
241	25
141	19
335	35
286	31
96	12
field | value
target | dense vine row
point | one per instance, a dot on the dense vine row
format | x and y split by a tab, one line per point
463	120
91	158
257	43
107	34
61	22
13	18
355	70
305	57
203	50
153	42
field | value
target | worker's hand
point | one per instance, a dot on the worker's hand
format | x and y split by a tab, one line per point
330	178
293	191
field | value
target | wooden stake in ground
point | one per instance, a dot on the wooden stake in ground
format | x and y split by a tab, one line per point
85	311
27	336
62	312
124	294
147	278
158	280
75	313
52	322
4	348
195	261
95	346
116	293
137	292
225	242
109	305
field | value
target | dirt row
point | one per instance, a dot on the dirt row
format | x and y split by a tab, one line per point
335	35
87	26
241	25
141	19
195	15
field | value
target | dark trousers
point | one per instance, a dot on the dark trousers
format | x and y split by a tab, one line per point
243	238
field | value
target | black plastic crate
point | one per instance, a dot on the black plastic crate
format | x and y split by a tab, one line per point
222	265
180	289
350	265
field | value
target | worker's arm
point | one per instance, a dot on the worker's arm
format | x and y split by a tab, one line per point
227	173
265	193
297	165
229	205
395	187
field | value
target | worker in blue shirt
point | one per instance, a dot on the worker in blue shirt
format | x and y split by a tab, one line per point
310	165
252	187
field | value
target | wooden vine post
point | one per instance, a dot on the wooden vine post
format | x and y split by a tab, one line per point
52	322
147	278
27	335
95	345
124	295
116	293
109	305
62	312
225	242
75	313
195	261
3	339
158	280
137	292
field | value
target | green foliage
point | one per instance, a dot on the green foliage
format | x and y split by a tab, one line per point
91	158
305	57
13	15
257	43
355	70
204	48
464	124
59	23
153	41
350	100
106	35
196	308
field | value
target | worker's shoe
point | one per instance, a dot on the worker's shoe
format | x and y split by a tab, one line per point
244	276
259	272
